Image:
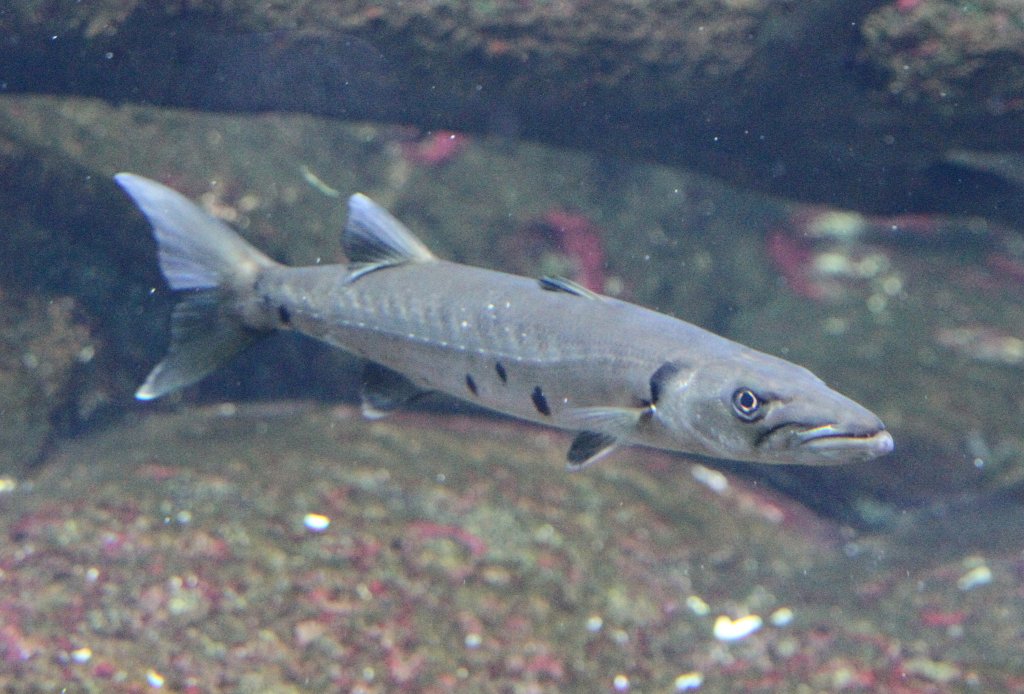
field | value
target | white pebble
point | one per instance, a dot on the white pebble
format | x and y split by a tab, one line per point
978	576
727	629
697	605
594	623
621	683
81	655
712	479
688	681
316	522
781	617
155	679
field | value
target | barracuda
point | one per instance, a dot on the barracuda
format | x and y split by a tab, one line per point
546	350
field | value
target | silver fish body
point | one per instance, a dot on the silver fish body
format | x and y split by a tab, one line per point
548	351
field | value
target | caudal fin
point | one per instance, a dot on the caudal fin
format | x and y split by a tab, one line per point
206	258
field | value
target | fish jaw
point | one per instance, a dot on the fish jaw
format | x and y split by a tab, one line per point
830	444
811	424
856	437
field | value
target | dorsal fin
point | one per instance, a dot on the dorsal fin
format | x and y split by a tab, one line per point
373	239
561	284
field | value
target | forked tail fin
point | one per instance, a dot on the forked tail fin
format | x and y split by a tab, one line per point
214	265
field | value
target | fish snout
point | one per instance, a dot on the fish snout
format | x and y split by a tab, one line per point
838	442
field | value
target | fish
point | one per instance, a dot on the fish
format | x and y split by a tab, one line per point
546	350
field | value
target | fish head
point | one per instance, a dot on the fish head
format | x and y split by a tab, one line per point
758	408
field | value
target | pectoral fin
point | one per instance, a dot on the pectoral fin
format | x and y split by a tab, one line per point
602	429
384	390
620	422
588	447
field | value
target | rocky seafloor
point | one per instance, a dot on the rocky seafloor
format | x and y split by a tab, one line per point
295	548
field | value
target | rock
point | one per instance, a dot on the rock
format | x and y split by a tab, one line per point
857	103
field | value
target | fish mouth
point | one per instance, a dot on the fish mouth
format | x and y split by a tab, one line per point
831	440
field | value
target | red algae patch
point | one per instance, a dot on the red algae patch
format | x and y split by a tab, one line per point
299	549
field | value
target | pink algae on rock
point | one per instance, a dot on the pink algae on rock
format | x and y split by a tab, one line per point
456	557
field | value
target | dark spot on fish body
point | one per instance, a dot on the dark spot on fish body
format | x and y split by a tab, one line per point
664	372
284	315
502	374
471	384
540	402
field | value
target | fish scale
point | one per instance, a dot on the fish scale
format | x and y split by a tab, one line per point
440	352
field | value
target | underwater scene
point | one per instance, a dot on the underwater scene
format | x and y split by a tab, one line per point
259	435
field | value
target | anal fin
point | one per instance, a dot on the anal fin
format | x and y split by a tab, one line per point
385	390
588	447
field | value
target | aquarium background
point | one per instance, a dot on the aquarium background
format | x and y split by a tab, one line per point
850	203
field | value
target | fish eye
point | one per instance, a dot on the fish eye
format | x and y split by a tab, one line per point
747	404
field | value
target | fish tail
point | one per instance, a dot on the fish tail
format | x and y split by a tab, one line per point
216	268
